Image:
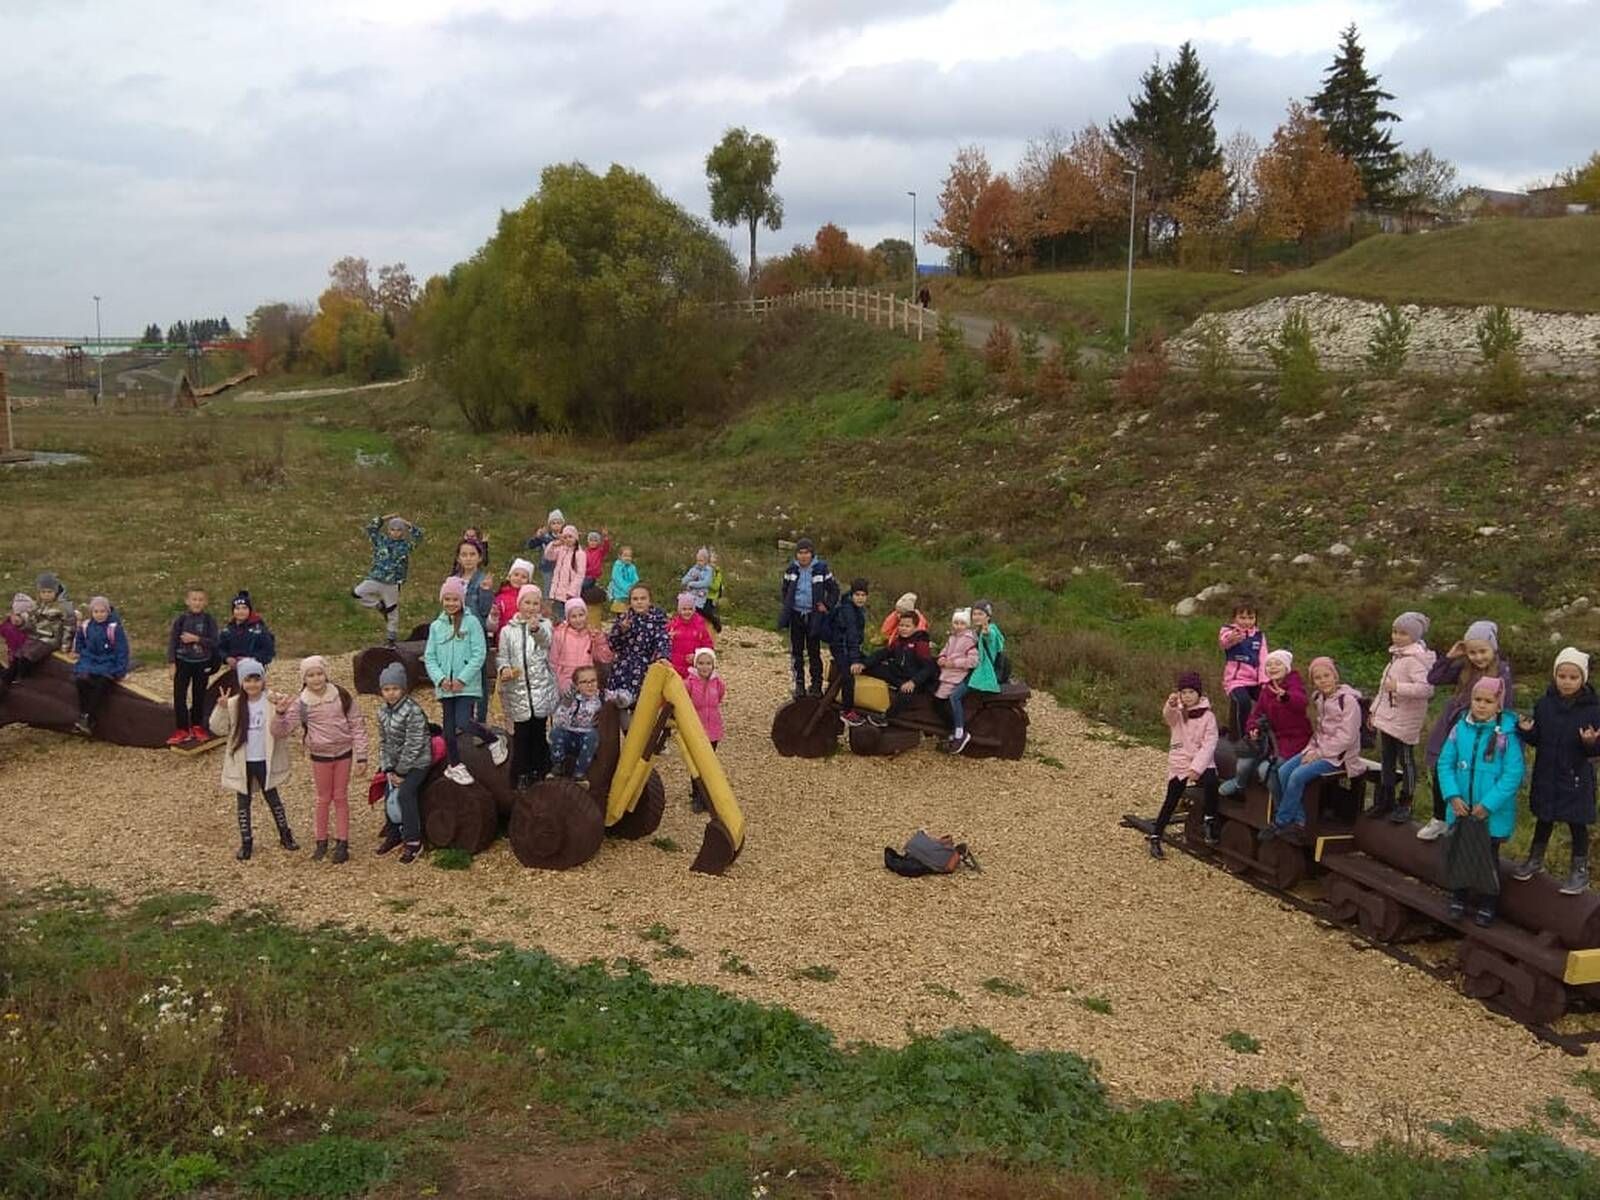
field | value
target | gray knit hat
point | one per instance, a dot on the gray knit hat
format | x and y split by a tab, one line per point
48	582
394	675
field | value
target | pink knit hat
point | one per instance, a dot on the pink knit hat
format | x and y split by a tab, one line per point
1325	661
1491	685
569	531
576	608
686	598
312	662
529	589
454	586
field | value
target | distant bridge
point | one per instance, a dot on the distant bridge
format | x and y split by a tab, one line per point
96	347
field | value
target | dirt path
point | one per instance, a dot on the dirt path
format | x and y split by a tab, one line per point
1068	906
258	396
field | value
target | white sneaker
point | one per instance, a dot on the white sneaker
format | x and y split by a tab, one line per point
458	774
498	752
1432	831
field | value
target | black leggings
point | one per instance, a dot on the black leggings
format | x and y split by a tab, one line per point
1241	703
1176	787
530	749
1399	767
189	693
1543	829
92	691
255	776
708	610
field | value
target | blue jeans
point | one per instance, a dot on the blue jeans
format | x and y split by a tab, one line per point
1293	777
576	744
958	719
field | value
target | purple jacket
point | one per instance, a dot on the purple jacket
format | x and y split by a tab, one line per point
1446	672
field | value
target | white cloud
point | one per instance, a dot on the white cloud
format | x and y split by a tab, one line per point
207	172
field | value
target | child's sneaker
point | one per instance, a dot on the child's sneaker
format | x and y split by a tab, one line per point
852	718
391	839
1458	908
958	744
499	751
341	852
459	774
321	851
580	777
1155	847
81	725
1210	830
389	640
1433	830
245	848
411	852
1230	787
181	738
1484	916
200	733
877	719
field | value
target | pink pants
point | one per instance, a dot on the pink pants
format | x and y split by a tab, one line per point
333	786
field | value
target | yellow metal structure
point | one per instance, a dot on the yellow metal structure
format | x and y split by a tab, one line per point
1583	966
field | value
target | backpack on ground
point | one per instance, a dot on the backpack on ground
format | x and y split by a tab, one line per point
927	854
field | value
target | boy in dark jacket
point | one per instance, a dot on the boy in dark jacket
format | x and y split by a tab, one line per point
906	664
191	649
1565	734
849	634
808	594
246	635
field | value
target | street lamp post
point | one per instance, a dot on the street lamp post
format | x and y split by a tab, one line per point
913	196
99	357
1127	309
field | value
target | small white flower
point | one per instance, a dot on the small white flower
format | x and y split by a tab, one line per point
218	1130
258	1111
326	1127
516	983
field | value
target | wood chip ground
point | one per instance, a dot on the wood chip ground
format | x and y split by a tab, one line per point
1068	906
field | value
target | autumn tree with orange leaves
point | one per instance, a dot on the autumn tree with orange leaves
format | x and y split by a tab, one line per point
1307	189
958	202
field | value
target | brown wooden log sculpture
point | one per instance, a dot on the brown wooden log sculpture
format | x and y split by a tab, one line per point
47	698
496	780
368	664
555	825
646	816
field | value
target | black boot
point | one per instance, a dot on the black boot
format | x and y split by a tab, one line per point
1156	851
1211	830
391	839
281	820
244	850
321	851
341	851
1530	866
1578	882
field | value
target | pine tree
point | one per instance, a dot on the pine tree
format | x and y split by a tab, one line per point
1170	133
1350	106
152	334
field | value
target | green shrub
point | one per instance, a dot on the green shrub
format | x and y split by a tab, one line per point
1300	379
1386	349
1497	334
1240	1042
452	858
1028	350
1502	386
328	1167
1213	361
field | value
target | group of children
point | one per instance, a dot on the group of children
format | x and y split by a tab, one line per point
1473	753
815	613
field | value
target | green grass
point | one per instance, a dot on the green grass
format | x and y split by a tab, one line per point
439	1058
816	974
1544	264
1003	987
1165	299
1240	1042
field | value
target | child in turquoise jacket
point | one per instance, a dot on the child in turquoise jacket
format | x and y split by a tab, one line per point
1480	769
454	658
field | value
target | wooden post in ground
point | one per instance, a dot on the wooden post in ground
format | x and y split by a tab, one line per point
5	403
920	313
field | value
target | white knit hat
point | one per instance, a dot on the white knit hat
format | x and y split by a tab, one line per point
962	616
1573	657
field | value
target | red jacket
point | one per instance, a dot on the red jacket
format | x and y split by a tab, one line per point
687	637
596	559
1285	715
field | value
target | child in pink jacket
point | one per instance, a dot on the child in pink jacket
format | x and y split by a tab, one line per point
1399	712
335	737
1191	756
956	662
1335	746
1244	664
688	633
706	689
568	561
573	644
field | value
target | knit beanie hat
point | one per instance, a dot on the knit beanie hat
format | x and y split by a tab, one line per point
556	515
312	662
1324	661
48	582
1191	681
523	565
394	675
1491	685
1282	656
22	604
1484	631
987	607
99	600
454	586
243	598
804	544
397	527
686	598
1414	623
961	616
1573	657
576	610
247	667
706	652
906	603
593	538
859	585
570	531
529	589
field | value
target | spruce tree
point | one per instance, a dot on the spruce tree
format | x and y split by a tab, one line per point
1169	133
1350	107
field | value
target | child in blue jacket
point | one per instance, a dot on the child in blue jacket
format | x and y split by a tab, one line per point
1480	769
101	647
847	644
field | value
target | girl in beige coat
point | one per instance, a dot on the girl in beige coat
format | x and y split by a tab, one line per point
252	756
1398	713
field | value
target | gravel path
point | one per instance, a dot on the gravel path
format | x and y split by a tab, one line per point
1068	906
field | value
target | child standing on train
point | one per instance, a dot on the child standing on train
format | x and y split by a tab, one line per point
1244	663
1398	714
1191	756
956	661
1564	732
1477	654
1480	770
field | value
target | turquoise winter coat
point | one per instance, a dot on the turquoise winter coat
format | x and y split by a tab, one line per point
1467	769
991	643
456	656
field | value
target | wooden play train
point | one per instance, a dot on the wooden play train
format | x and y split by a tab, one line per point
1539	959
808	726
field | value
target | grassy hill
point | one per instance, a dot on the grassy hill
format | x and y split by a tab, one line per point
1552	265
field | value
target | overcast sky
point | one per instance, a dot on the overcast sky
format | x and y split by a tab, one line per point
193	159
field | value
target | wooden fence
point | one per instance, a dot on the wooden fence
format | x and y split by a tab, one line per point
883	309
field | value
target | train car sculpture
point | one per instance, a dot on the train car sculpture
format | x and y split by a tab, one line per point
1536	961
808	727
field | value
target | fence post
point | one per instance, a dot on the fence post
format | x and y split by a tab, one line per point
921	312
